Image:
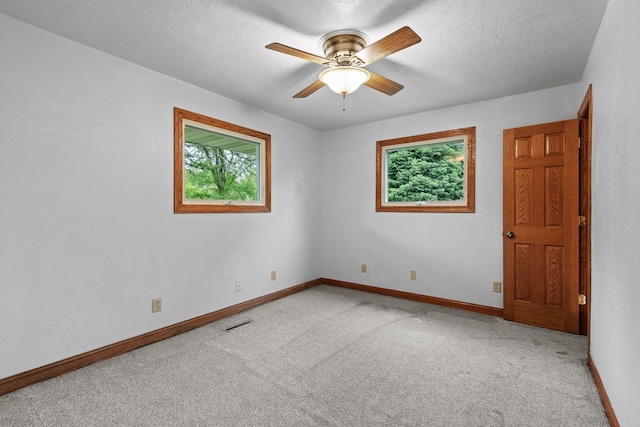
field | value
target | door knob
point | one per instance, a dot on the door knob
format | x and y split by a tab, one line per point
510	234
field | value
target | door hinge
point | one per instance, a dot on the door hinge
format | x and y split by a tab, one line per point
582	221
582	299
580	142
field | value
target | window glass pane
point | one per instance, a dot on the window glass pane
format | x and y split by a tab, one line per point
220	166
426	173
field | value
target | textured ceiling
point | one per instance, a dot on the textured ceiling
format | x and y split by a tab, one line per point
470	50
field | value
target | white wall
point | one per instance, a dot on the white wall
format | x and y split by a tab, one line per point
456	256
614	71
87	231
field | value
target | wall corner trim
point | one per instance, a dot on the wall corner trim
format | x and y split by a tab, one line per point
476	308
608	409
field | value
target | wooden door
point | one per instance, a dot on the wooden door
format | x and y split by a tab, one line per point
540	220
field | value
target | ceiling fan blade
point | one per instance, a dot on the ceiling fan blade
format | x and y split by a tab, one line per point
279	47
383	84
309	89
394	42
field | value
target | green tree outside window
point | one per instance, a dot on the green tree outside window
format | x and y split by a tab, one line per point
218	174
433	172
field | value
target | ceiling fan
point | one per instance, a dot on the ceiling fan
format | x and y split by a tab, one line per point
346	52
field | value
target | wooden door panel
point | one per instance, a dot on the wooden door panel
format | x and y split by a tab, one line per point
541	210
523	197
523	258
554	280
522	148
553	181
554	144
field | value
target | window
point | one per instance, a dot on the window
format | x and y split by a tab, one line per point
219	166
427	173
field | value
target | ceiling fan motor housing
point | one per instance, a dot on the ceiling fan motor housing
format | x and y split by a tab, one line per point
341	47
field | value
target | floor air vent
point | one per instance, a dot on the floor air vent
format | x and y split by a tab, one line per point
238	325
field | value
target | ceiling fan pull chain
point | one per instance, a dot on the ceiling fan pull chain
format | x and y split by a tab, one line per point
344	97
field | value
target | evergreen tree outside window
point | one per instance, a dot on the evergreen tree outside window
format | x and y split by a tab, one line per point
427	173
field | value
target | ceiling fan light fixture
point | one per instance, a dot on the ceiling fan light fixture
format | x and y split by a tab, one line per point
344	80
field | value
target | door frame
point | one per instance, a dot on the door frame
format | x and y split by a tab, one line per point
585	114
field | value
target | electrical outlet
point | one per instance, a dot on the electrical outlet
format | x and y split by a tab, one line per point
497	287
238	285
412	275
273	275
156	305
363	268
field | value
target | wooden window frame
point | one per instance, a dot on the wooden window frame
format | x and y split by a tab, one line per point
466	206
181	204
